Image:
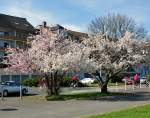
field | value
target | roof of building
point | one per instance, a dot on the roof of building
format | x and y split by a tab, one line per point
17	23
74	33
54	28
78	34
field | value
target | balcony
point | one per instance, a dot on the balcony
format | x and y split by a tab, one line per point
12	38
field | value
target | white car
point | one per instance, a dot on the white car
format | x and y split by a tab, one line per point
87	80
143	80
12	87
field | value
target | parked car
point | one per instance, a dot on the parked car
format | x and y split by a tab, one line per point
127	80
87	80
12	87
143	80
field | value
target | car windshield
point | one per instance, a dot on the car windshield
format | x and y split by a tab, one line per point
10	84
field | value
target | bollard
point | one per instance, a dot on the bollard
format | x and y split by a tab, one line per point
125	85
20	91
20	87
116	86
133	86
140	85
2	94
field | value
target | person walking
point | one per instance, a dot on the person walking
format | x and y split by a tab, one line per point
136	79
74	81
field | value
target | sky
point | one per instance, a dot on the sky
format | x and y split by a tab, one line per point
76	14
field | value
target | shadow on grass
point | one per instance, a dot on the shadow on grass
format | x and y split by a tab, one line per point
137	96
84	96
113	97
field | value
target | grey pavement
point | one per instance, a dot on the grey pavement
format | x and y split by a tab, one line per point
13	107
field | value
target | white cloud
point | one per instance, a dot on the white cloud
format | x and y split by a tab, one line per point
36	17
25	10
33	17
75	27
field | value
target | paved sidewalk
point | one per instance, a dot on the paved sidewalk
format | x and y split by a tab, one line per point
15	108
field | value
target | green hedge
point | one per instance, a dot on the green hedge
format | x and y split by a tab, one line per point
118	78
67	81
31	82
35	81
148	77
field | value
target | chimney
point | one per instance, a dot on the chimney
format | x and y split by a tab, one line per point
44	23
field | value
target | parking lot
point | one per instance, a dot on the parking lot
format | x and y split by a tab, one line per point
33	107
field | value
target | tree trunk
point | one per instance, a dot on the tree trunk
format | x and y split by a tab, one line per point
52	83
104	88
56	84
48	84
109	76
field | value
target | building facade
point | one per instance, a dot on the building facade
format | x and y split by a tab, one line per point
13	33
70	34
64	32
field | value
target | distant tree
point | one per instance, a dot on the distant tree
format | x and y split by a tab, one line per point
114	26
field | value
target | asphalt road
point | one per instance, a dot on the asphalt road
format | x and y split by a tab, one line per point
13	107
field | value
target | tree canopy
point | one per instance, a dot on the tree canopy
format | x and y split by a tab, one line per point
114	26
50	53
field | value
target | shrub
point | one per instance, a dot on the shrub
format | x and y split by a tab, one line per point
117	78
65	82
31	82
148	77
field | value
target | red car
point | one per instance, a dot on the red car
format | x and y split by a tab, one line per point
127	80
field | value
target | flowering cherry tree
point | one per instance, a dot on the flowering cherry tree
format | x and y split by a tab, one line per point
113	56
51	55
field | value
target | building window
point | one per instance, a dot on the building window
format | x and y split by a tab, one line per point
1	33
6	45
1	44
1	56
6	33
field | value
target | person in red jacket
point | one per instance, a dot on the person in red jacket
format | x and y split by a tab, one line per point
136	79
74	81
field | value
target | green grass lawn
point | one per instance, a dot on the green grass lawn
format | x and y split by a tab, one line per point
84	96
137	112
109	84
114	84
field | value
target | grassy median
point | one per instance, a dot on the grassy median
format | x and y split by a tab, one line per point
84	96
137	112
